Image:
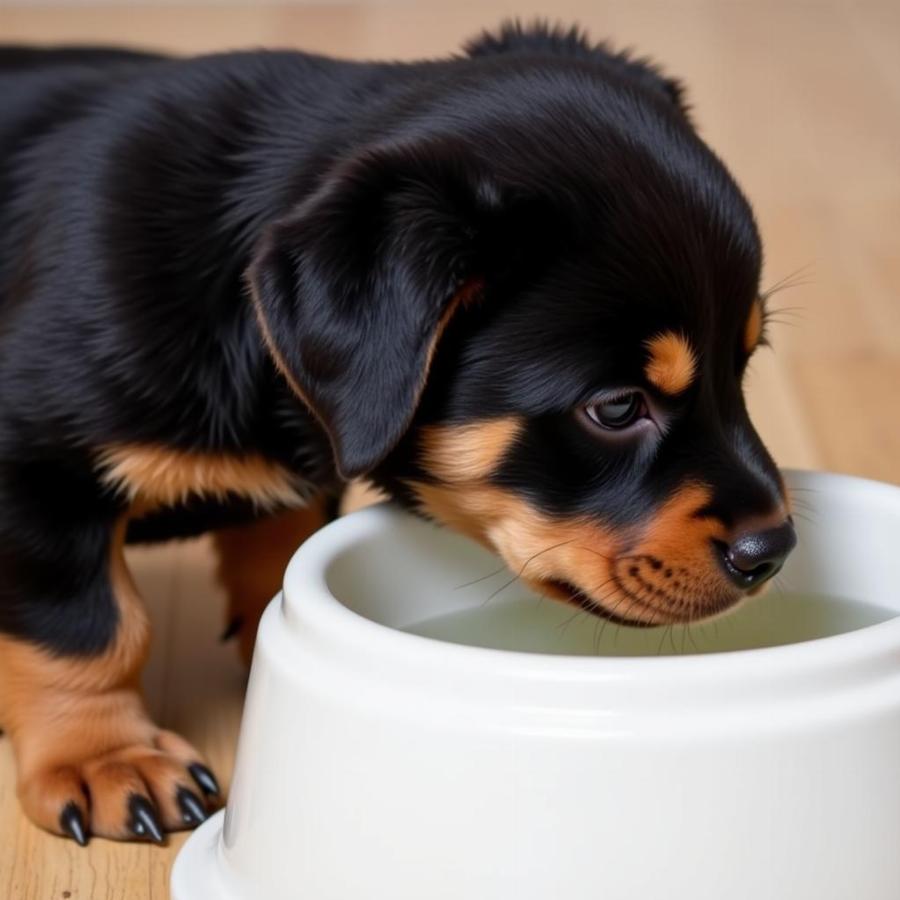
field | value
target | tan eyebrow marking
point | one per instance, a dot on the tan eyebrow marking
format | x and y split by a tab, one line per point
672	364
753	328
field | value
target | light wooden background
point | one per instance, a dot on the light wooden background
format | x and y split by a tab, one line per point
803	102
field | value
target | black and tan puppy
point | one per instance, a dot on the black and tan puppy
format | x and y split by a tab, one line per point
513	288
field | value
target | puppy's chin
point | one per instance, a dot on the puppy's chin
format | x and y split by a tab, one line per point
568	593
621	606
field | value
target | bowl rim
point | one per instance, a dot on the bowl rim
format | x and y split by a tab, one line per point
867	650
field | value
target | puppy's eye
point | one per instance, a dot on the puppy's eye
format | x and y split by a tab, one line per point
618	411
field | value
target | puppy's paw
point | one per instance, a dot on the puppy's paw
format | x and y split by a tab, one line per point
113	775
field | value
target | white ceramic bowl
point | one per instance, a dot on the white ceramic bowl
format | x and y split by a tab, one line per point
377	764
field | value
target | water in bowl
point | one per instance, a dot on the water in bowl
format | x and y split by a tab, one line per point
543	626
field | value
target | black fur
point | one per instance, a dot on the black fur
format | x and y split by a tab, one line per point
562	180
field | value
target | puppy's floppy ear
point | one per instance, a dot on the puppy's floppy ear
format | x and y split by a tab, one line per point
355	287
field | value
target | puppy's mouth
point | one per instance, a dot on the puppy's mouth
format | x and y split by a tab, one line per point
569	593
637	602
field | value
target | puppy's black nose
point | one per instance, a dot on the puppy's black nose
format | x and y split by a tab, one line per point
755	556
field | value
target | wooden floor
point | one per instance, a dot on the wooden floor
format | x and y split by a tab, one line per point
802	99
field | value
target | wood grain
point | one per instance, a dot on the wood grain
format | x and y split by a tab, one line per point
801	99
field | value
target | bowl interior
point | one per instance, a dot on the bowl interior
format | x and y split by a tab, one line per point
413	576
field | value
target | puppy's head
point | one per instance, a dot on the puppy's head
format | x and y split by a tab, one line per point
531	324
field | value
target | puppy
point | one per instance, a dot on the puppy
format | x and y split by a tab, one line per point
512	288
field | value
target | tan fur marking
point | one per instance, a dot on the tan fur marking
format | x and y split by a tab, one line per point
80	722
252	561
459	453
754	327
598	561
157	476
27	670
535	547
672	364
674	556
29	674
675	530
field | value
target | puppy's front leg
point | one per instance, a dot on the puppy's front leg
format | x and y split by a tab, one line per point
73	639
252	561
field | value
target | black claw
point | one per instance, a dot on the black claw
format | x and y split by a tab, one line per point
191	806
232	628
205	779
144	821
72	823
